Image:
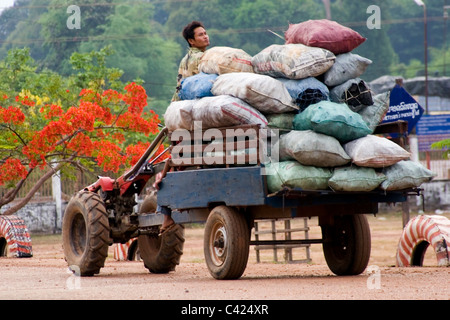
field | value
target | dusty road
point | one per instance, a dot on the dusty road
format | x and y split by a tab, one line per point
45	275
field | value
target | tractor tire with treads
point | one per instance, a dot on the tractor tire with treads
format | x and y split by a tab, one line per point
160	253
85	231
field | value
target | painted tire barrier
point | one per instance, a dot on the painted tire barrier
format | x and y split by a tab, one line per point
418	234
123	251
14	234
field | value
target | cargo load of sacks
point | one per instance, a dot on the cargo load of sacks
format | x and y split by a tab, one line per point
310	89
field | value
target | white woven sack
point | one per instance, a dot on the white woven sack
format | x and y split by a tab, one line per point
223	111
220	60
376	152
293	61
264	93
177	115
312	149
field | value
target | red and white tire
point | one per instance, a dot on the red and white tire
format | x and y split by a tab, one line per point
122	251
14	231
418	234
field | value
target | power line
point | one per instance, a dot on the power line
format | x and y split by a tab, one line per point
49	72
77	39
212	31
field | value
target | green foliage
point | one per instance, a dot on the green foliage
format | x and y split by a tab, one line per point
92	70
60	41
145	55
439	61
19	72
413	69
438	65
145	35
442	145
239	23
16	70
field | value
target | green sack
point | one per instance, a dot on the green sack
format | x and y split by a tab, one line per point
281	120
406	174
333	119
355	178
292	174
375	113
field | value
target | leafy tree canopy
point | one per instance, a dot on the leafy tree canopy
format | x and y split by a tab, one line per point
146	34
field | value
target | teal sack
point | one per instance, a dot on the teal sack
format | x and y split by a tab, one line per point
333	119
302	120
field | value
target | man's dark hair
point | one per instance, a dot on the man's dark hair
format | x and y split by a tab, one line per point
188	31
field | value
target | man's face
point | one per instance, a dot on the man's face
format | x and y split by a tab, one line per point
201	39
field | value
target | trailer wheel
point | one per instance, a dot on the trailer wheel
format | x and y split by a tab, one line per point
347	244
85	231
226	243
161	254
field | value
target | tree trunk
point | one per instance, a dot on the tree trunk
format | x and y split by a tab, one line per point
10	196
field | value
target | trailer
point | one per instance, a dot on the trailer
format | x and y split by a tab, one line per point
221	182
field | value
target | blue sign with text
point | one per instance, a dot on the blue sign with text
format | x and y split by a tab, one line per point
432	128
402	106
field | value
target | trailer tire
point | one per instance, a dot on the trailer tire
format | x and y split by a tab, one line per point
226	243
161	254
416	237
347	244
85	231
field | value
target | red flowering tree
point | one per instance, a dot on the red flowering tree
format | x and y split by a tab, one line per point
47	137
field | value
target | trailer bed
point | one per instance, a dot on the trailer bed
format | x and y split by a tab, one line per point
192	193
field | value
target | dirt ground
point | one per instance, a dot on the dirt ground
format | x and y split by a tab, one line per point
45	275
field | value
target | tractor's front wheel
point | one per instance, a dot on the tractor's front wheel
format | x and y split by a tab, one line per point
85	231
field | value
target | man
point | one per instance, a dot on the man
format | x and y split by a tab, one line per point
198	40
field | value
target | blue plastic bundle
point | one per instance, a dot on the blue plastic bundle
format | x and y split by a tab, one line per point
305	92
197	86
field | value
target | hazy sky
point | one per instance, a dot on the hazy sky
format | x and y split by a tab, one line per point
5	3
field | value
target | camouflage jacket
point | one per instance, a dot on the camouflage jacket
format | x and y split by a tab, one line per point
188	67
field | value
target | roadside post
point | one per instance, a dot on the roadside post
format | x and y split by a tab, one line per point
403	107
